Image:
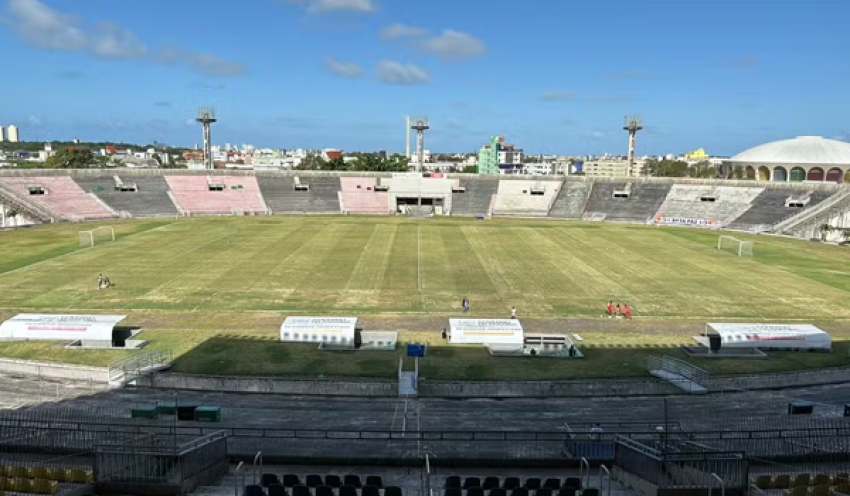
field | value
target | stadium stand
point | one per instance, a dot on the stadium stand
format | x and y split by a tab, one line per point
359	196
774	205
708	203
59	194
571	200
217	194
473	196
626	201
314	195
143	196
525	198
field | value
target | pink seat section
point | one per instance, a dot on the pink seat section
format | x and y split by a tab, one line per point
240	193
61	195
359	196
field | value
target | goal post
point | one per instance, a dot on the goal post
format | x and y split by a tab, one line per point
96	236
735	246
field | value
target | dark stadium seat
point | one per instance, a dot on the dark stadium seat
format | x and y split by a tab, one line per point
347	490
498	491
369	491
532	483
324	491
567	491
301	490
314	480
552	484
475	491
353	480
490	483
543	491
453	491
277	490
392	491
333	481
452	481
268	479
471	482
375	480
290	480
511	483
573	482
590	491
254	490
520	491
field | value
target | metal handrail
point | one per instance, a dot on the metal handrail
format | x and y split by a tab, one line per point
258	456
603	468
711	480
239	467
581	472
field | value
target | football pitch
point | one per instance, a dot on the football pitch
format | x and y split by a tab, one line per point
188	281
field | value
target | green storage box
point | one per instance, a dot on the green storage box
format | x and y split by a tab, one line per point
208	414
148	412
166	408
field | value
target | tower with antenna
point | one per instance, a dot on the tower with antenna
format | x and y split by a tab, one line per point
407	137
633	125
420	125
206	116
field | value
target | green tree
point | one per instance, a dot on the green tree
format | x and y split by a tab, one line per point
703	170
311	162
825	229
738	172
470	169
666	168
71	158
335	164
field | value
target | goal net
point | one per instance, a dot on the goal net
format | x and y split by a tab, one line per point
97	236
735	246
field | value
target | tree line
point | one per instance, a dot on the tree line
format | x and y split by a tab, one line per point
371	162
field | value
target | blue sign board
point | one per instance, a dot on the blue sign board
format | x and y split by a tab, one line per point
416	350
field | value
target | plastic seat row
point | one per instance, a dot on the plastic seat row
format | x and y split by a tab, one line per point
521	491
47	473
277	489
510	483
313	480
785	482
22	485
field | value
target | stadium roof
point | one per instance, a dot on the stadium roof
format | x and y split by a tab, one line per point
801	150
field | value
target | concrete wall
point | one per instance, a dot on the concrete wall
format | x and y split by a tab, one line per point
779	380
53	370
544	389
315	387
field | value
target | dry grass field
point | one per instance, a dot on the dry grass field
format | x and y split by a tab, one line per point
216	289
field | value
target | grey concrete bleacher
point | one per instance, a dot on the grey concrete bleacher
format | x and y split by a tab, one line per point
643	201
149	200
281	196
571	200
476	199
769	207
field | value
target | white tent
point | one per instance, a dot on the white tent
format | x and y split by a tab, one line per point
330	331
60	327
485	331
766	336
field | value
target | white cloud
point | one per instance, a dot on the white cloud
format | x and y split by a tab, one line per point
392	72
33	121
396	31
453	45
345	69
558	96
324	6
43	27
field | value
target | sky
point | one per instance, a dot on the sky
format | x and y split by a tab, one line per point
552	76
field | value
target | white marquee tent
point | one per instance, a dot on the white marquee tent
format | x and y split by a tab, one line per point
60	327
766	336
486	331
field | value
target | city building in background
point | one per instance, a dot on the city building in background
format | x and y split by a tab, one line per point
488	156
12	135
2	134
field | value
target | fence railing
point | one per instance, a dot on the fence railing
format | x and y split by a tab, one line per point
139	364
678	367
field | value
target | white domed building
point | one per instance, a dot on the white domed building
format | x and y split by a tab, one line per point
805	158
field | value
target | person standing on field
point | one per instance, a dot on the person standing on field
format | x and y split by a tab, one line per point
628	312
513	312
610	309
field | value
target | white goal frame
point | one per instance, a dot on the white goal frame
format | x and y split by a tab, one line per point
742	248
96	235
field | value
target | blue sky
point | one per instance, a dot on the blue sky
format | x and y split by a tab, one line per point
554	76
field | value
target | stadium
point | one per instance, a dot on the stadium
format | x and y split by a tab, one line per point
302	333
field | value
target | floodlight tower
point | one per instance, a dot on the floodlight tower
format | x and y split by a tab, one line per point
420	125
407	137
206	116
633	125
